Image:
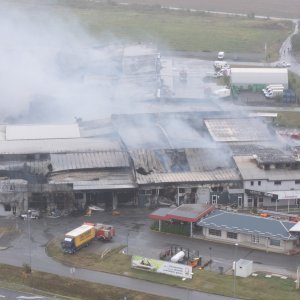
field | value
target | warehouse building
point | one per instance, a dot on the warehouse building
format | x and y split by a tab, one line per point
271	178
249	231
255	79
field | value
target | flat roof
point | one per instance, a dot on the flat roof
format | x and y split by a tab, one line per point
259	70
248	224
184	212
40	131
249	170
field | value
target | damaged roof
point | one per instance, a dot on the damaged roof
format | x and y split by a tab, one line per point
222	175
89	160
96	180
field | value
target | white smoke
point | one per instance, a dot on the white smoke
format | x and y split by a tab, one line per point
52	70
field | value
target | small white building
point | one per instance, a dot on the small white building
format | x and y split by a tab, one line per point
244	267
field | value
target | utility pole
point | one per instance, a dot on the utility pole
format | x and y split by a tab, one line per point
298	278
234	270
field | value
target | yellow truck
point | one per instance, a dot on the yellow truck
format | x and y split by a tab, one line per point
78	238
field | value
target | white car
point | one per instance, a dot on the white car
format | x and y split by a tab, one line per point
283	64
32	214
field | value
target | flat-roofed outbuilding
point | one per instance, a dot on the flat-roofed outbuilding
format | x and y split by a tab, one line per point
188	214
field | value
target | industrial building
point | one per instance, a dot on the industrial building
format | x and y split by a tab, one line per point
255	79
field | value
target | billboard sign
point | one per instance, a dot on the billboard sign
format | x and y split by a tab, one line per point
160	266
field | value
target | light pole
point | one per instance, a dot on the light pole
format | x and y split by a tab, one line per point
29	235
234	270
298	278
127	243
210	260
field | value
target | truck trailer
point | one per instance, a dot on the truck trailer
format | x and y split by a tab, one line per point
85	234
78	238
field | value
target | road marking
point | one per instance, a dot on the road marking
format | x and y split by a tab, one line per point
1	296
30	297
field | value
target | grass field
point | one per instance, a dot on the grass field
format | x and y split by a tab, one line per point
186	31
275	8
58	287
250	288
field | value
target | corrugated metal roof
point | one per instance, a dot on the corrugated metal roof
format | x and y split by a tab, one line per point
249	170
247	224
147	160
208	159
58	145
96	180
237	130
89	160
41	131
185	177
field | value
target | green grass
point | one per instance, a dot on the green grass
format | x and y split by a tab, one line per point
116	262
187	32
180	31
55	286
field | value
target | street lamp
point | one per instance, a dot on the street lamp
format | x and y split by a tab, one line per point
234	270
210	260
29	235
127	243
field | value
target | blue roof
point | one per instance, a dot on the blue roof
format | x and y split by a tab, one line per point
248	224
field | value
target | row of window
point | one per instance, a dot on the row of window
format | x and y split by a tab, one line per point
276	182
233	235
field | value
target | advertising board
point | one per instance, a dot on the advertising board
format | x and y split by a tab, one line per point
160	266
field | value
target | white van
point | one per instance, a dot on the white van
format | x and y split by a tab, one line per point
274	93
270	87
221	55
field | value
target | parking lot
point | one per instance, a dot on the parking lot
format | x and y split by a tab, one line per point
132	229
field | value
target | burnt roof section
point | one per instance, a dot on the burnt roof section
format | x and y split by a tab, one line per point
181	160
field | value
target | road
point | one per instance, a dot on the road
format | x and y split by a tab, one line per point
21	251
10	294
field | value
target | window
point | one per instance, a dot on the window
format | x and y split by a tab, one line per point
252	182
275	242
231	235
7	207
255	239
181	191
297	181
250	200
259	182
214	232
277	182
214	199
260	199
78	196
240	201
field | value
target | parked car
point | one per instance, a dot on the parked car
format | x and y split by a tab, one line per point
283	64
32	214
